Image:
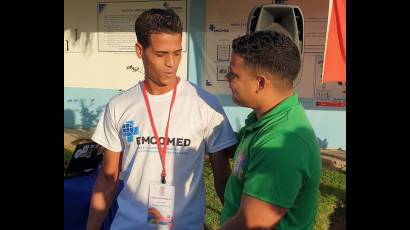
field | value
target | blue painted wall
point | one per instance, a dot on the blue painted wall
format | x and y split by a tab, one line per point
82	106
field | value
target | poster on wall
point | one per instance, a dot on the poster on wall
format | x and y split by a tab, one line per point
315	15
218	54
225	20
328	94
116	21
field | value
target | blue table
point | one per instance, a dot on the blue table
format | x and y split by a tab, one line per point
77	196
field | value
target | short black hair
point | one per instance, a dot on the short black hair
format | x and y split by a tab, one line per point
269	51
156	21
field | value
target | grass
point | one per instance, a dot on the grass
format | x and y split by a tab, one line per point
213	204
332	196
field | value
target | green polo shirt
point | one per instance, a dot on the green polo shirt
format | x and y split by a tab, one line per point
277	161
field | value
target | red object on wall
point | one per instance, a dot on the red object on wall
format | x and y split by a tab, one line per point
334	66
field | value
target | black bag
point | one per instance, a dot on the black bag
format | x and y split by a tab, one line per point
86	158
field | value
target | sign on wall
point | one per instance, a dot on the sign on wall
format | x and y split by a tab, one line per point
116	21
225	20
99	42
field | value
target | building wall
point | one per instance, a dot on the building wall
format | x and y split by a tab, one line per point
86	93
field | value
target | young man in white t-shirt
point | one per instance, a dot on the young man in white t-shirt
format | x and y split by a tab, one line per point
155	136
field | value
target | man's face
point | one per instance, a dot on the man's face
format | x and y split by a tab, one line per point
242	82
161	59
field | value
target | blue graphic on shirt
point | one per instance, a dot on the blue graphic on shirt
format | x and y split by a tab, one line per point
129	131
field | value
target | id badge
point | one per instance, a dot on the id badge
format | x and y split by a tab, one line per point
161	205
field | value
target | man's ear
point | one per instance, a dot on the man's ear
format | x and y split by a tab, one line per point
261	82
139	49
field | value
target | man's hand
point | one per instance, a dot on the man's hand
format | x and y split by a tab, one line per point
254	214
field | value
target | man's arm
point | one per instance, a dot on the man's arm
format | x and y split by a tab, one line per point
221	169
104	189
254	214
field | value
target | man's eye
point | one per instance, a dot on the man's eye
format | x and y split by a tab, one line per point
230	75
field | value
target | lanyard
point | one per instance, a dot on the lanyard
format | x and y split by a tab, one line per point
162	151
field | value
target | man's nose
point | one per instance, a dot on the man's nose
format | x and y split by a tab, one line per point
170	61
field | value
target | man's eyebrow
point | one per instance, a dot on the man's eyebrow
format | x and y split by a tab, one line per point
165	52
231	73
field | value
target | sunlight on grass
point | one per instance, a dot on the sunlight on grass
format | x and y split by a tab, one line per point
332	195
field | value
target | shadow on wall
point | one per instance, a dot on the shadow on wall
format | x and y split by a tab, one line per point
322	143
89	116
69	118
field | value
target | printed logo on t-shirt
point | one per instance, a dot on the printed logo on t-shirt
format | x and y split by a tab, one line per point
171	141
129	131
239	165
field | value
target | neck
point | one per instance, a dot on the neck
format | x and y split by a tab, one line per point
268	105
155	88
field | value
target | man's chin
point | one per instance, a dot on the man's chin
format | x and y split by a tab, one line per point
167	79
242	104
169	76
236	101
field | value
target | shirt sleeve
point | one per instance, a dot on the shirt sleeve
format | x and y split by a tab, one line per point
218	131
106	133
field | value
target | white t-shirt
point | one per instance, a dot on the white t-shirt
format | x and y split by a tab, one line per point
197	124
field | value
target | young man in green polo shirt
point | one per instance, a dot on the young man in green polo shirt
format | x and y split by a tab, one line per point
277	166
